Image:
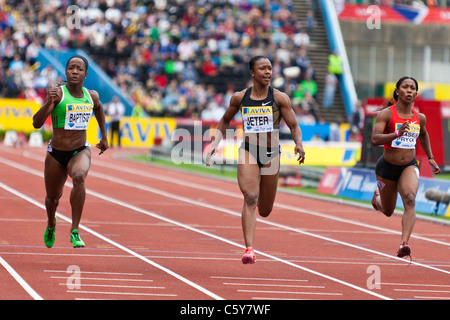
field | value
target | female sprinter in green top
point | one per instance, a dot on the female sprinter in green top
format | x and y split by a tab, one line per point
69	154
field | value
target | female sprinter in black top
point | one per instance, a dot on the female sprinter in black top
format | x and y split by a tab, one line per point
262	108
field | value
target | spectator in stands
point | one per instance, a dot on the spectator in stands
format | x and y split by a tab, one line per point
302	61
310	107
308	84
138	111
115	110
329	91
162	40
335	64
17	64
209	68
301	38
310	22
357	122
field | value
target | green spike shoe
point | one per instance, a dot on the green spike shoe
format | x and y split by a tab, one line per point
49	236
75	239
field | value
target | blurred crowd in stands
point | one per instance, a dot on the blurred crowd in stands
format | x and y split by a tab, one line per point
180	58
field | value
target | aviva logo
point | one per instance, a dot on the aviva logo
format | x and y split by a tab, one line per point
413	127
248	111
79	107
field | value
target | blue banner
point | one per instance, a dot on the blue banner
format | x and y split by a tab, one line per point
359	184
425	205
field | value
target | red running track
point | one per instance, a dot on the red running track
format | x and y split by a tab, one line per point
155	233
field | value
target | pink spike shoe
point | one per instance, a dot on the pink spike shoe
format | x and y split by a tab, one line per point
404	250
376	193
249	256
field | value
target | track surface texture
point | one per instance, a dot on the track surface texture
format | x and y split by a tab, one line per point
153	233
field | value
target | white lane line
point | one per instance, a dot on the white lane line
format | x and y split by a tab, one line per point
106	279
98	272
239	196
98	235
414	284
270	285
434	298
238	214
124	293
257	279
112	286
20	280
194	185
293	292
419	290
154	215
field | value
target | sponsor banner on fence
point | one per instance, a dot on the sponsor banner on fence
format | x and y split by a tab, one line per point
323	153
331	180
135	132
397	13
317	154
17	114
363	12
425	205
359	184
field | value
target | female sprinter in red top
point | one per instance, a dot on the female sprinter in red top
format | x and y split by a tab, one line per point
262	109
397	128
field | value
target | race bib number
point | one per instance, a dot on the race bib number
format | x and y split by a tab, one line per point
408	139
257	119
77	116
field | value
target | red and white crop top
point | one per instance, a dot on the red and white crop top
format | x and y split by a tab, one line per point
409	138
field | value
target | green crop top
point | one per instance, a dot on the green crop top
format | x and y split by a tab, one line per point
73	113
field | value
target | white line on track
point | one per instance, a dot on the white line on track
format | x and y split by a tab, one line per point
154	215
125	293
293	292
414	284
418	290
20	280
142	187
222	192
270	285
434	298
257	279
98	235
113	286
238	214
239	196
105	279
96	272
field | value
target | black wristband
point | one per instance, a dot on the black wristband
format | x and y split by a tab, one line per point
430	157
